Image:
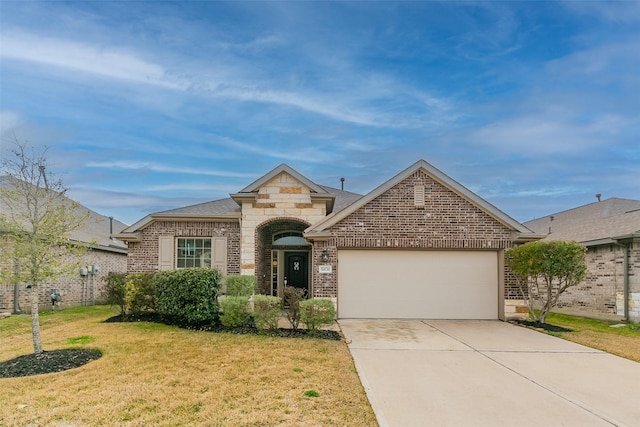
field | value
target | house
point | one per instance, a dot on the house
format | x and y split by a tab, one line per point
418	246
610	229
82	287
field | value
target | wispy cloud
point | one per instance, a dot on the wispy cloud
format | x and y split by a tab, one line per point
156	167
82	57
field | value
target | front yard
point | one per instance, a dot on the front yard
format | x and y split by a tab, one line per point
154	374
621	340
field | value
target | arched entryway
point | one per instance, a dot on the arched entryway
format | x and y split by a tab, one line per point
283	256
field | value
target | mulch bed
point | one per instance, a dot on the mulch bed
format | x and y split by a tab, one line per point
544	326
244	330
47	362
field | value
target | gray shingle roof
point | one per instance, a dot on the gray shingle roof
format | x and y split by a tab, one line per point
96	228
228	205
214	207
607	219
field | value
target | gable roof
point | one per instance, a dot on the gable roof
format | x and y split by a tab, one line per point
229	208
595	223
317	192
283	167
442	178
97	228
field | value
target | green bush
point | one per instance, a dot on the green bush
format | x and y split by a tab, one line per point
317	312
236	311
187	296
292	298
114	291
266	312
140	293
238	285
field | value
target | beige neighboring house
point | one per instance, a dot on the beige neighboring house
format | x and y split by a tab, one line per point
610	229
82	287
420	245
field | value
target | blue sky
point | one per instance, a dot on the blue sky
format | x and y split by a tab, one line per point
147	106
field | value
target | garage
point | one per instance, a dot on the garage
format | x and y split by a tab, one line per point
418	284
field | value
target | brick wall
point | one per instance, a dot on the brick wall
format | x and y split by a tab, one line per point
392	220
143	256
600	295
75	289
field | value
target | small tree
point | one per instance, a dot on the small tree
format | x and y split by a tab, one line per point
544	270
37	219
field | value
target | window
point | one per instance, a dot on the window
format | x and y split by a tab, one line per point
288	233
193	252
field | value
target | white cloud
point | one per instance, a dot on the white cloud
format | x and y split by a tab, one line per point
84	57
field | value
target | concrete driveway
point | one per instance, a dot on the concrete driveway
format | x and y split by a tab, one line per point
488	373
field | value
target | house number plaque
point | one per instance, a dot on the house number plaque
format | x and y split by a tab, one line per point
325	269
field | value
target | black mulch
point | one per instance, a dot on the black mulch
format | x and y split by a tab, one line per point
545	326
47	362
244	330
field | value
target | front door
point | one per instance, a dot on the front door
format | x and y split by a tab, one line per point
296	273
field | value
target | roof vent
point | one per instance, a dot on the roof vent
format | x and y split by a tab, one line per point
418	196
598	196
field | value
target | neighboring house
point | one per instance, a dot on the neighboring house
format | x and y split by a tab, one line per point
419	246
82	287
610	229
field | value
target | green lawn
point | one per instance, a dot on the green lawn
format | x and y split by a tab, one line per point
623	341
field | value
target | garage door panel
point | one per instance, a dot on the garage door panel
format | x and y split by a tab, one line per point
417	284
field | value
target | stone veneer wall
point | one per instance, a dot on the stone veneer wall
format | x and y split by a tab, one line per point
393	221
282	197
70	286
143	256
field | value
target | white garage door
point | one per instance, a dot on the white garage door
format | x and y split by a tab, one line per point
417	284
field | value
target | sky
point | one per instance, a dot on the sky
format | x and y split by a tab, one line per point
150	105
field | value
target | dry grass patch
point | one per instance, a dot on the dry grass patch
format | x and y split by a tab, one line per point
152	374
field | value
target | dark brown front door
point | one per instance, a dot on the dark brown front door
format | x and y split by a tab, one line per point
296	273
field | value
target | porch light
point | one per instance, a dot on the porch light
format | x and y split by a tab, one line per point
325	256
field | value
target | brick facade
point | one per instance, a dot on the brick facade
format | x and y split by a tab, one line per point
392	221
600	295
143	256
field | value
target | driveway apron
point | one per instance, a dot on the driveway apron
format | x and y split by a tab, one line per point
488	373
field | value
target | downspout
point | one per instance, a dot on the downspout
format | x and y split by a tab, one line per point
625	286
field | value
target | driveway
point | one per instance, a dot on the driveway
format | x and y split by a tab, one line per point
488	373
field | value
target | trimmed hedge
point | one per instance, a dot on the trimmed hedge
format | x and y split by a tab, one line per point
316	312
236	311
266	312
238	285
188	296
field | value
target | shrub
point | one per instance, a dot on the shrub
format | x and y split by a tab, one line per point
235	311
139	293
132	293
188	296
292	298
317	312
238	285
266	312
114	291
